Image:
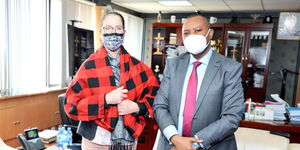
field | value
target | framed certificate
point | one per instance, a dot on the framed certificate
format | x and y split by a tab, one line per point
289	26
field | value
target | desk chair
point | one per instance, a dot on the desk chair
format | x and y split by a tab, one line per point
68	122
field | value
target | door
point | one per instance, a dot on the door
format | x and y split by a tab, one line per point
235	46
257	57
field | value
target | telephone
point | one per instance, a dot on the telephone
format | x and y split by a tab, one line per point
31	140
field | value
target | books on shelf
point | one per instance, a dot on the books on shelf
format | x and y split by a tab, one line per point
173	38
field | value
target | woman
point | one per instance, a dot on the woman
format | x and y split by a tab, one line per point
111	93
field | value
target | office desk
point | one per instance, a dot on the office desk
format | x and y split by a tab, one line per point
290	127
52	146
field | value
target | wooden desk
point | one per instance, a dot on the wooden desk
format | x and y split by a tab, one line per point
290	127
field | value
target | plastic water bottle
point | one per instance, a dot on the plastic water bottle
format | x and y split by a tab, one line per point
70	135
59	137
65	139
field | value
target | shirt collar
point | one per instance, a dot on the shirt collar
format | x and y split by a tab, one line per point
204	60
111	57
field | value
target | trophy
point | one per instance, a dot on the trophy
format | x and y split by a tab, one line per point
156	70
158	17
216	45
158	39
255	17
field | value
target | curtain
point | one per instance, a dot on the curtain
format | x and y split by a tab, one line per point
55	52
134	34
27	39
3	46
81	11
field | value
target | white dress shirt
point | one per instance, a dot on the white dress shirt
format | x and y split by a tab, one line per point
171	130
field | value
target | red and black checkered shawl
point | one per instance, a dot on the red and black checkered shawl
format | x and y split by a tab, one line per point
95	78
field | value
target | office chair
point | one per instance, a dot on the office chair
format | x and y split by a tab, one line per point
68	122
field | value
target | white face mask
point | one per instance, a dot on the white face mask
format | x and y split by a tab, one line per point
196	44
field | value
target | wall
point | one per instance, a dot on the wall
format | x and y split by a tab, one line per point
283	54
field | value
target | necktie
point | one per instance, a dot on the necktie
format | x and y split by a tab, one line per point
190	101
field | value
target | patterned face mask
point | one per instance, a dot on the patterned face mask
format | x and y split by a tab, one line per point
112	41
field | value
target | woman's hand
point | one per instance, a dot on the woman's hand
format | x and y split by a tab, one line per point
127	107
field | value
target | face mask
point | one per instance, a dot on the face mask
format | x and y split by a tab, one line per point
112	41
196	44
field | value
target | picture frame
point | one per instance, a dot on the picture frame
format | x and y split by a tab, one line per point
288	26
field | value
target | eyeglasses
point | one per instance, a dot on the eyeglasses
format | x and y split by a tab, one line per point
110	29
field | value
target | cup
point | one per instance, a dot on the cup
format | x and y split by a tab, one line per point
173	18
213	20
183	20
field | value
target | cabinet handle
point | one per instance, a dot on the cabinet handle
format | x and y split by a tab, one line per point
243	58
16	122
246	58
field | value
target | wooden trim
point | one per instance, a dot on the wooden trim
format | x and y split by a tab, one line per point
97	36
249	25
33	94
292	128
166	25
298	91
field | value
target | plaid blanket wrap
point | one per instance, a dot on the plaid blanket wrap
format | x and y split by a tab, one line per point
86	93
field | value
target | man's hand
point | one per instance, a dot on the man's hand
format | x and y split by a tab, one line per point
184	143
128	107
116	96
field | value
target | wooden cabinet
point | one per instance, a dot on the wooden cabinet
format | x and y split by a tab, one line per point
168	36
18	113
165	35
250	45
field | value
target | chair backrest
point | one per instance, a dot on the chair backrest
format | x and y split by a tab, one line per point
65	119
68	122
256	139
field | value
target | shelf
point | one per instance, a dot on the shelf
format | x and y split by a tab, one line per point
167	25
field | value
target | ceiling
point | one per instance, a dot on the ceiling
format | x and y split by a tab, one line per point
152	6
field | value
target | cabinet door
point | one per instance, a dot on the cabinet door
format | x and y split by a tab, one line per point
257	57
14	121
235	43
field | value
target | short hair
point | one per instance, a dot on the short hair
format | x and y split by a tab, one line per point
199	15
109	11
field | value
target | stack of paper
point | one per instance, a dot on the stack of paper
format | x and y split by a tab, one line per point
294	113
279	110
48	136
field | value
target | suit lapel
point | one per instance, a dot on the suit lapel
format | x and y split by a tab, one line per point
181	72
211	70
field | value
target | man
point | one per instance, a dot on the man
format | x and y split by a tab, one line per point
200	100
111	93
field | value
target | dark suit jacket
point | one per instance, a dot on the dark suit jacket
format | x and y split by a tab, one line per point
219	104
